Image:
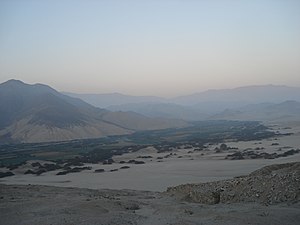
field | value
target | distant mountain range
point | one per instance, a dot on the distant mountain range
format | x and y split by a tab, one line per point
200	106
285	111
107	100
38	113
243	95
163	110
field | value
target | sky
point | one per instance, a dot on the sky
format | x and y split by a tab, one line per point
157	47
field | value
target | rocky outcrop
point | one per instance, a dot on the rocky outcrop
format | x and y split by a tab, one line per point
6	174
270	185
249	154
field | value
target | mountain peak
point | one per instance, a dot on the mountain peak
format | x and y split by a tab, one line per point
13	82
18	85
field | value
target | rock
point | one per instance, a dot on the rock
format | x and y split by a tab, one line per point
108	162
12	167
6	174
74	170
29	172
135	162
247	154
40	171
235	156
62	173
50	167
269	185
132	206
145	157
36	164
99	171
125	167
274	144
223	147
189	212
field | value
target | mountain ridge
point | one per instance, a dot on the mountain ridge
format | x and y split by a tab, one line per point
39	113
284	111
210	101
203	105
109	99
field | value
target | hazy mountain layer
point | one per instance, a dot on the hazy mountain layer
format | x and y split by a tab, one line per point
38	113
163	110
285	111
106	100
197	106
243	95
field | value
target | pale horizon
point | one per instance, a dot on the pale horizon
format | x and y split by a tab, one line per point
156	48
166	97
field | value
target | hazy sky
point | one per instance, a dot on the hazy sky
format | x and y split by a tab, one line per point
163	47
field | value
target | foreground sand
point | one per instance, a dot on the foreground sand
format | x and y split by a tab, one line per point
152	176
277	202
35	205
71	203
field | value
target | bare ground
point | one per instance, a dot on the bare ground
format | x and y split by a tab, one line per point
32	204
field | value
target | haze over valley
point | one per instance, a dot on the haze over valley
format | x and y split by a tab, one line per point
38	113
149	112
205	105
40	125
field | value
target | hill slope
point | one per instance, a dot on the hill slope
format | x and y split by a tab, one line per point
38	113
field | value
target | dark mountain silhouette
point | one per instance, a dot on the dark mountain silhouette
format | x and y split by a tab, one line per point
37	113
42	103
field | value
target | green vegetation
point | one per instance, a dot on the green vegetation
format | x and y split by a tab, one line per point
99	150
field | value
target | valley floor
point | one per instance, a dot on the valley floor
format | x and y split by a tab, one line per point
129	196
162	170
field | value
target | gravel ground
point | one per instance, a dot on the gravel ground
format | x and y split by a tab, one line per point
35	205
